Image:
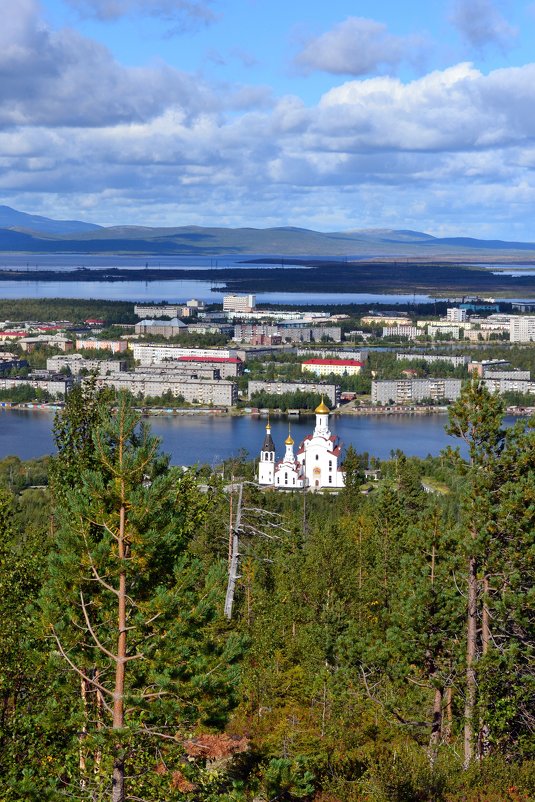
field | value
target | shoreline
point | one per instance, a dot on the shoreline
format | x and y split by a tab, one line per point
225	412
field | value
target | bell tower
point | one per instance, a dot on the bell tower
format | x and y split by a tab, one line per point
266	466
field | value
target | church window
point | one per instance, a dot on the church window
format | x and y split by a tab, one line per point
294	480
317	456
330	464
330	480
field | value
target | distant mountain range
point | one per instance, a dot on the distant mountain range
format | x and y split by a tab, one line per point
26	233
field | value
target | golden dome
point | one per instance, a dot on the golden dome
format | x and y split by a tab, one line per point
323	409
289	441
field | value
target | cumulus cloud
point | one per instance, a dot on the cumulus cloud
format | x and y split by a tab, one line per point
189	12
480	24
357	46
156	146
61	78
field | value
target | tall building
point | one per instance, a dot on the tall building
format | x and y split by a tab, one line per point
522	329
239	303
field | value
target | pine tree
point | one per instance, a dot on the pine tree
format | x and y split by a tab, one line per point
128	609
476	418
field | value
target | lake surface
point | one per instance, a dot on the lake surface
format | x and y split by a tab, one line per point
175	291
207	439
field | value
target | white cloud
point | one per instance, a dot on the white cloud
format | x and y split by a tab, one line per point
60	78
156	146
358	46
187	12
480	24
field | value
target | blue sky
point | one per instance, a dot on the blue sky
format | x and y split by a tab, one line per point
329	115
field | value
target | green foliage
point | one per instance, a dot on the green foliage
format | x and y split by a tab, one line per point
344	663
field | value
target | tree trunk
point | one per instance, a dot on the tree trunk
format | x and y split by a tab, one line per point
118	790
471	653
484	735
448	728
436	727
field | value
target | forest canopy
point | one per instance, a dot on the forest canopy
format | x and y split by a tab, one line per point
379	648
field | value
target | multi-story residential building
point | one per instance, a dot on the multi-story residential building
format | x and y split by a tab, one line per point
330	391
12	363
522	329
386	319
410	391
42	380
157	310
156	353
456	361
408	332
511	375
511	385
239	303
335	353
163	328
227	366
453	332
456	315
288	331
156	383
76	363
191	308
487	365
325	367
92	344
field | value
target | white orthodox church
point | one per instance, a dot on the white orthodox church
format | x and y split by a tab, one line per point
316	465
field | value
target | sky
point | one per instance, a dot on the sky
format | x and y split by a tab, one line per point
333	116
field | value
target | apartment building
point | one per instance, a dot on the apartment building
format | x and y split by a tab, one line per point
156	353
410	391
156	383
76	363
92	344
325	367
239	303
456	361
522	329
331	392
407	332
41	380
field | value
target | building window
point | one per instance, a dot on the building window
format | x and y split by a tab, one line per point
330	480
317	456
330	464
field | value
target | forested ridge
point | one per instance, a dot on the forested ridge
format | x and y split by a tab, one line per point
380	647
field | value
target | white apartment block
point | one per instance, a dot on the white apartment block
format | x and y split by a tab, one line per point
157	310
155	353
54	385
522	329
76	363
456	315
516	385
409	332
239	303
456	361
202	391
331	392
454	332
410	391
326	367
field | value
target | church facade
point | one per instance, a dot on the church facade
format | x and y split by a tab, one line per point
316	465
